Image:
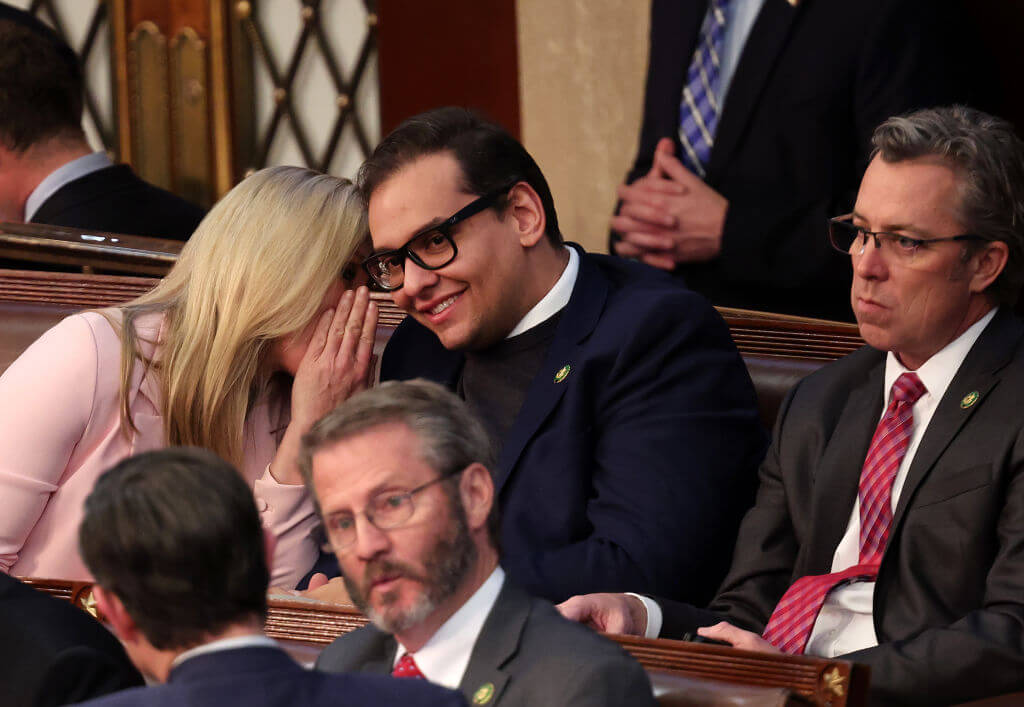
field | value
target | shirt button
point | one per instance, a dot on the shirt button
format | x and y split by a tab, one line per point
262	505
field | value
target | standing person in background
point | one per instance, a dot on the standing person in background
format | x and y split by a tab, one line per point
756	129
251	337
48	172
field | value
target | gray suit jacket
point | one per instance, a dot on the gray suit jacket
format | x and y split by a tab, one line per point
949	598
526	651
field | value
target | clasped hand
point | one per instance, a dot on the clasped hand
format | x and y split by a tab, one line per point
669	215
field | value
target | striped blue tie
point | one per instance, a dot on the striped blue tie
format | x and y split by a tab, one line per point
698	111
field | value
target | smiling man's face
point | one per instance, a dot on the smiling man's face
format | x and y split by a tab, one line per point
398	577
475	300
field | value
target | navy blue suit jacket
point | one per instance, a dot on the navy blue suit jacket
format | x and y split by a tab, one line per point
632	473
267	677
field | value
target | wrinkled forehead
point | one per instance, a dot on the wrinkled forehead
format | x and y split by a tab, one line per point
350	470
923	192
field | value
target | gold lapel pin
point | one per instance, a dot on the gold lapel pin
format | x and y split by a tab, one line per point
970	399
483	694
563	373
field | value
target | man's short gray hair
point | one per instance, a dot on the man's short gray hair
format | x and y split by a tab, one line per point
988	158
450	436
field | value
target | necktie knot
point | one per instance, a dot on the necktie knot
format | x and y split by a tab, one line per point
908	388
406	668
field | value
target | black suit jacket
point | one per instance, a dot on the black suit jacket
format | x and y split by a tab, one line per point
635	469
526	651
812	83
260	676
949	598
115	199
52	653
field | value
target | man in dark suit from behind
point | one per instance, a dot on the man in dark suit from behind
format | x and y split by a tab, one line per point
48	172
624	422
889	524
401	482
175	543
52	653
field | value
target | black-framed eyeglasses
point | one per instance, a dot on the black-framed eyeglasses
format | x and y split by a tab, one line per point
431	249
385	510
851	239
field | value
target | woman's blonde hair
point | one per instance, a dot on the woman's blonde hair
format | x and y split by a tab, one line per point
255	270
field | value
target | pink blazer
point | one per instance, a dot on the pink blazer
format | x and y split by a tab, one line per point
60	429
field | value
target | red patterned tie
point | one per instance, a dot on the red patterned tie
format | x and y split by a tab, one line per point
406	668
793	619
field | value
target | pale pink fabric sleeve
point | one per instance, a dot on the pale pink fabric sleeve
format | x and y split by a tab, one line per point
287	511
46	400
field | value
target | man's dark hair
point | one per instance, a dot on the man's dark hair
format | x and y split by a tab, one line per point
488	156
176	536
988	158
41	84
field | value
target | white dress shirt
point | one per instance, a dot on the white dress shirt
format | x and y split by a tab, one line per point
225	644
846	621
443	658
75	169
739	20
555	300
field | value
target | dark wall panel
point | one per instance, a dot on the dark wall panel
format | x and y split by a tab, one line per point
448	52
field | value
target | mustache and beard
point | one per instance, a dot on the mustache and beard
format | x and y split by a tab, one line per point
446	564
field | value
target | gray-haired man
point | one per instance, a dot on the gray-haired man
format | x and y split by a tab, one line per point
400	474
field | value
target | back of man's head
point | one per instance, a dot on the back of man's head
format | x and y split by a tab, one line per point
490	158
41	84
988	158
176	536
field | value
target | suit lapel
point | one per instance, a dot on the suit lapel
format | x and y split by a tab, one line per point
578	320
382	661
767	38
978	374
838	477
497	643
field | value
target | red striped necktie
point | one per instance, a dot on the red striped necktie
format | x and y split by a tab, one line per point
793	619
406	668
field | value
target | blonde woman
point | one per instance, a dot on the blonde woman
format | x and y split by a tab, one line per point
252	336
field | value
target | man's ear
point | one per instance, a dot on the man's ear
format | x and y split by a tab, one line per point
528	212
988	263
114	613
477	490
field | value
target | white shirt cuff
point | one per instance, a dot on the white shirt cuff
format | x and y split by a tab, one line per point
653	615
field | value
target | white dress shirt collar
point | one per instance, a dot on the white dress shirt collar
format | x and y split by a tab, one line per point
937	372
555	300
443	658
225	644
75	169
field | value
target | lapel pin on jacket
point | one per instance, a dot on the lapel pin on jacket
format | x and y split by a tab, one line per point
483	694
562	373
969	399
792	3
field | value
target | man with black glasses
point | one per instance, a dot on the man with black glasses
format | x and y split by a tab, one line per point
400	476
889	525
621	416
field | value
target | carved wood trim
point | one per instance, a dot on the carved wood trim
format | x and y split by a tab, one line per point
828	682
